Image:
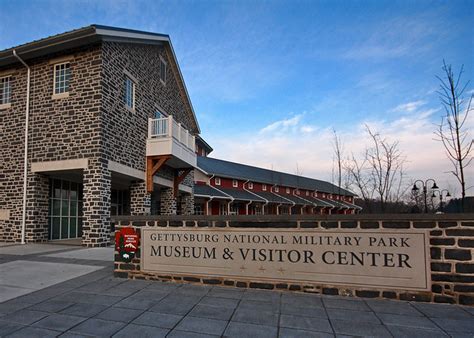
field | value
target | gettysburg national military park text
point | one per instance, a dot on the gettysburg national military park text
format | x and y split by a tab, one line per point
377	258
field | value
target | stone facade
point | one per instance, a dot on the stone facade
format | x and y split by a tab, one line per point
169	203
140	199
451	246
92	123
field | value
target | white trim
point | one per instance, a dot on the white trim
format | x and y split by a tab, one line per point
60	96
61	59
81	163
217	181
5	106
250	185
4	214
235	183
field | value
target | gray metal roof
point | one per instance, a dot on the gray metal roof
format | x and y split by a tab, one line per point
241	195
201	190
228	169
273	198
90	35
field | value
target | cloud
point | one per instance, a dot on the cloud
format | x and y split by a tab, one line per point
396	38
285	144
282	125
409	107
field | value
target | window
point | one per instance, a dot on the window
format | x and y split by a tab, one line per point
277	189
287	190
162	71
307	193
264	187
217	181
62	76
250	185
235	183
5	90
129	93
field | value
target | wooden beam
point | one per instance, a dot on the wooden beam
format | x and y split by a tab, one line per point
153	164
178	179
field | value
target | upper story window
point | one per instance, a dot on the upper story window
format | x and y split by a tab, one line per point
235	183
277	189
307	193
250	185
129	93
217	181
5	90
62	76
163	70
264	187
287	190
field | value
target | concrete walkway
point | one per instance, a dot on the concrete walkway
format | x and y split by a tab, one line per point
96	304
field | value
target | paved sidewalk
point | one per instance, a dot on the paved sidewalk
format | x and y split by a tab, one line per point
96	304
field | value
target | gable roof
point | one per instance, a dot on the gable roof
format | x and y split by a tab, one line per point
90	35
228	169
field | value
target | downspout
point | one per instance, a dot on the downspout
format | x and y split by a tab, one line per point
231	198
207	205
25	160
247	204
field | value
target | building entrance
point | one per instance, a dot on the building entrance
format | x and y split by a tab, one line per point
65	209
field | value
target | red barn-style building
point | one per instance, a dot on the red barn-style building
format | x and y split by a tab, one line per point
229	188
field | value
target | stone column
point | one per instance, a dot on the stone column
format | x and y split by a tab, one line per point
140	199
96	201
187	204
168	202
37	201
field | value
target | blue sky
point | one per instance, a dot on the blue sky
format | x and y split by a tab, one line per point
270	79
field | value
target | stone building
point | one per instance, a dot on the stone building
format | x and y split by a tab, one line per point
98	122
81	101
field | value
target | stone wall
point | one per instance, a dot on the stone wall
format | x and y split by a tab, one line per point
59	129
451	249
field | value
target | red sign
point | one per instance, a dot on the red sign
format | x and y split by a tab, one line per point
126	239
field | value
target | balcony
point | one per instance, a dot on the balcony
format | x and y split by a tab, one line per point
166	137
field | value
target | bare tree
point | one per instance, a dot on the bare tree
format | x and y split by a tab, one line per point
452	131
380	174
338	148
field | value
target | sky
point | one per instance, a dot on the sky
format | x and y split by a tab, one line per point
270	80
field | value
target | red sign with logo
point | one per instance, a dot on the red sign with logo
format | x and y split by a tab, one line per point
126	243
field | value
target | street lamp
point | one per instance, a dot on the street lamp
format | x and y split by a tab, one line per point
440	194
424	185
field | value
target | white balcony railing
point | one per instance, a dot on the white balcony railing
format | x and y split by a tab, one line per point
168	127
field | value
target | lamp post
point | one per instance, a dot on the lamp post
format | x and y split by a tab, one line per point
440	194
424	185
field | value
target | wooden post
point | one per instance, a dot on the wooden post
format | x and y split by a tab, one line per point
153	164
178	179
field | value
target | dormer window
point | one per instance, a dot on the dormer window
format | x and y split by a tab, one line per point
307	193
235	183
217	181
277	189
62	76
264	187
250	185
287	190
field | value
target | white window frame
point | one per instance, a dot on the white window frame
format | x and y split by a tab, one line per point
277	189
7	102
264	187
307	193
235	183
287	190
129	78
250	185
163	62
64	93
217	181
